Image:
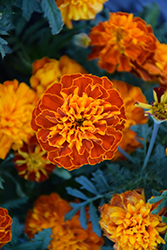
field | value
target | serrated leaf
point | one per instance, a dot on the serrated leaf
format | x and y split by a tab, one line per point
16	230
15	203
94	219
28	8
82	218
44	238
76	193
159	207
76	207
100	181
155	199
53	14
86	184
61	172
155	192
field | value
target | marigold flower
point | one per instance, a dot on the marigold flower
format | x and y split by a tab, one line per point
128	222
5	227
134	115
121	41
155	68
158	108
79	10
16	105
47	71
79	120
31	162
49	212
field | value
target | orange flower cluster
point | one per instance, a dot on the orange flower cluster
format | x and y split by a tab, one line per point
79	120
133	114
5	227
16	105
128	222
31	162
79	10
49	212
121	41
47	71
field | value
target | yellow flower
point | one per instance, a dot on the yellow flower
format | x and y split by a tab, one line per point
128	222
79	9
47	71
16	105
31	162
49	212
158	108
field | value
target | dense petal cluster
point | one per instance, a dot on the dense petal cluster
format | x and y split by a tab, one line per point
155	68
31	162
79	120
79	9
49	212
128	222
16	106
47	71
158	108
134	115
121	41
5	227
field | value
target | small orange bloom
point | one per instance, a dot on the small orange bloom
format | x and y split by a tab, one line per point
79	120
47	71
49	212
120	41
16	105
79	9
31	162
133	114
5	227
128	222
155	68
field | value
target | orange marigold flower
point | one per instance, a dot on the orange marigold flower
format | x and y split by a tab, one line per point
79	120
120	41
155	68
16	105
31	162
49	212
79	10
47	71
128	222
134	115
5	227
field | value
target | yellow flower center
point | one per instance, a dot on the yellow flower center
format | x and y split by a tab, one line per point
159	110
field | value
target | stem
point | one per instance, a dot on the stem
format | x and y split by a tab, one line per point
126	155
154	134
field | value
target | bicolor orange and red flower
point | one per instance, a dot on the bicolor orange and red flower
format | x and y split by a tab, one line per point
134	115
16	106
121	41
79	120
5	227
47	71
128	222
155	68
49	212
79	9
31	162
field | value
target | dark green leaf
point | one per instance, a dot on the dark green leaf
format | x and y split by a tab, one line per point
86	184
44	238
94	219
100	181
155	192
76	207
164	219
16	230
15	203
155	199
28	8
160	206
76	193
53	14
82	218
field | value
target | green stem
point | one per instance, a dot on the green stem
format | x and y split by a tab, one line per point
154	134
